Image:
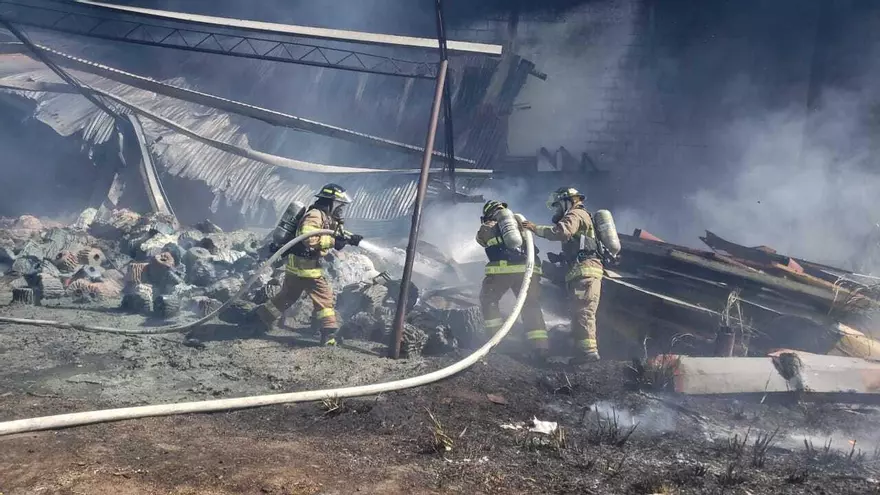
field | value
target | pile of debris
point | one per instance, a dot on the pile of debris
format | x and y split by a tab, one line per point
150	265
733	301
436	323
147	260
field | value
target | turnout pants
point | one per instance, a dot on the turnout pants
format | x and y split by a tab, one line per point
493	289
318	290
583	303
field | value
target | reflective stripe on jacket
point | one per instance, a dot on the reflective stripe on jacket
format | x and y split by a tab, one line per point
314	219
504	267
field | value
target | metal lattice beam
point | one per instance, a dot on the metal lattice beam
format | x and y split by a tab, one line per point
211	41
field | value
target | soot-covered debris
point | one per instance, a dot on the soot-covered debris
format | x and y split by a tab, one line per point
149	265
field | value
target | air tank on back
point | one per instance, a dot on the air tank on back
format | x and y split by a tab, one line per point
509	228
286	228
607	231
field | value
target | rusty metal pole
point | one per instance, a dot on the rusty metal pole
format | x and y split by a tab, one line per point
403	297
447	101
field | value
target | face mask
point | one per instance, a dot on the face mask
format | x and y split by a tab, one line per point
338	211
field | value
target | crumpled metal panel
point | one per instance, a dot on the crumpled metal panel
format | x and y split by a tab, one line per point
239	180
250	184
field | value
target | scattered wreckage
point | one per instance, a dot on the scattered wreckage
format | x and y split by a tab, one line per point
742	320
149	265
660	299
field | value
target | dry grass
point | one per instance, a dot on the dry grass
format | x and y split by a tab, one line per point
441	441
606	429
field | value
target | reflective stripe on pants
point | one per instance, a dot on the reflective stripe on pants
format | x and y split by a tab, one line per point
493	289
584	303
537	335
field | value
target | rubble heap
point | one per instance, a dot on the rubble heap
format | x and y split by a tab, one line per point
732	300
149	265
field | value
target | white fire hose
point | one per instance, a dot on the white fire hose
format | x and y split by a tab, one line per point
92	417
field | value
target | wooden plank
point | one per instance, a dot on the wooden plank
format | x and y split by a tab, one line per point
755	276
750	254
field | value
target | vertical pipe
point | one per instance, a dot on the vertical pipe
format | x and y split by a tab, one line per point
447	100
403	297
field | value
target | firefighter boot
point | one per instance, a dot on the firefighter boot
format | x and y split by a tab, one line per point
584	357
331	336
539	357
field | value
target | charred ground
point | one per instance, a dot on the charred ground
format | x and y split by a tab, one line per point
389	444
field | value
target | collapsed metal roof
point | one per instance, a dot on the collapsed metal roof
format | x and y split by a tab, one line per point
252	185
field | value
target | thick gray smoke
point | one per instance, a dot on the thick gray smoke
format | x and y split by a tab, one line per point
809	197
452	228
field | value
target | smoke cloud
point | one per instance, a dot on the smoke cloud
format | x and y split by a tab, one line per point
651	420
813	198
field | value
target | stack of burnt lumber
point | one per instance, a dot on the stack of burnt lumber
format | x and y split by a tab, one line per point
733	300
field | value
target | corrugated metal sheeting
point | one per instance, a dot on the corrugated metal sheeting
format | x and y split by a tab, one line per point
480	124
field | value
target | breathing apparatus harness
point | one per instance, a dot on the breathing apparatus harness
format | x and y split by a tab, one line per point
497	249
332	199
588	247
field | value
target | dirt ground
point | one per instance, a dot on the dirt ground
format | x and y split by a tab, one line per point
389	444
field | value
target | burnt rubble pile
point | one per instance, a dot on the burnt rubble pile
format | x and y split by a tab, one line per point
733	300
434	325
149	265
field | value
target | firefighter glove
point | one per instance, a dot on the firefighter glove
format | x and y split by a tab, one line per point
355	239
340	243
529	226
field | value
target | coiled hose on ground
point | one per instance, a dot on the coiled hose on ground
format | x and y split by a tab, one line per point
92	417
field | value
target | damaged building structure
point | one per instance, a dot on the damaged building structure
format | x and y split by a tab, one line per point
182	155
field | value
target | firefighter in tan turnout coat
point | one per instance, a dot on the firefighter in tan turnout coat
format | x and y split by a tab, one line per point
507	263
573	226
303	270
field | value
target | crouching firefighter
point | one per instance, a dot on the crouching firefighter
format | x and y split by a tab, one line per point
303	270
501	236
582	260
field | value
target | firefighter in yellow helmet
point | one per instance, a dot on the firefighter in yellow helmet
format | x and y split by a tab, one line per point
500	236
573	226
304	272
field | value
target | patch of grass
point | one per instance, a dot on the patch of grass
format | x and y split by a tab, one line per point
761	446
442	442
690	475
606	429
656	374
736	446
853	457
333	406
825	455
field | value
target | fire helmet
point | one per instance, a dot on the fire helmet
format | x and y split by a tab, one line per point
564	194
334	192
491	207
